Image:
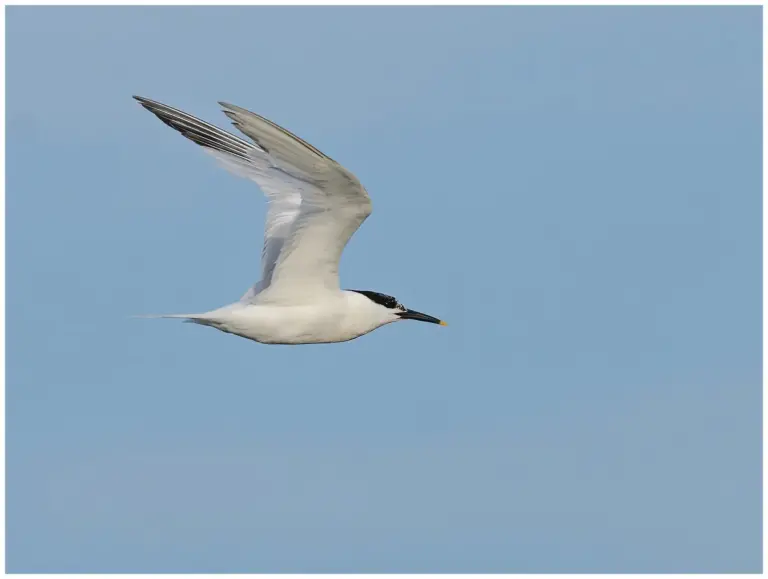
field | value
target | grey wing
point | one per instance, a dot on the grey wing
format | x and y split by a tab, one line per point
284	190
333	206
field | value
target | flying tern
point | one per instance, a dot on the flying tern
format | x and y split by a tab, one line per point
314	207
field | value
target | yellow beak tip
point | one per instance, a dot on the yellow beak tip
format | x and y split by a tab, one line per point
442	323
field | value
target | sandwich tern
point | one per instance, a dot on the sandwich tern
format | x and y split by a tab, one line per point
314	207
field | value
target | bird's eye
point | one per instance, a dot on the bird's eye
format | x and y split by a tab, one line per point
401	307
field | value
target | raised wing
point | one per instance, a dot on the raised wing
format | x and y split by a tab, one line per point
311	198
331	210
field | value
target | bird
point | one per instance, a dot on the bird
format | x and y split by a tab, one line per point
314	206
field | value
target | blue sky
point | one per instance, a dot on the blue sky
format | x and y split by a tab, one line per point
577	191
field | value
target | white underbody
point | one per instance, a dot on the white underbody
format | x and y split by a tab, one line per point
332	317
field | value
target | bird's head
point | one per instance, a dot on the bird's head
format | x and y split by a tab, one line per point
391	310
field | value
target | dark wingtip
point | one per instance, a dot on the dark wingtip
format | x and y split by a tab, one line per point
196	130
145	102
149	104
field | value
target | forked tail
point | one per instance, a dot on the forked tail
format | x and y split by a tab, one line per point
186	318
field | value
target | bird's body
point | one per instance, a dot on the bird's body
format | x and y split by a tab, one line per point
315	206
334	317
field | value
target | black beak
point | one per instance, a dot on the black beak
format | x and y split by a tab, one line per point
414	315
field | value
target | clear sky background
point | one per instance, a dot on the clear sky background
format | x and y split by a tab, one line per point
577	191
